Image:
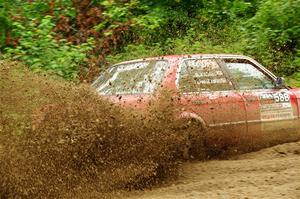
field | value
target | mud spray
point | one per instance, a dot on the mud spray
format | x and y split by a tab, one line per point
62	140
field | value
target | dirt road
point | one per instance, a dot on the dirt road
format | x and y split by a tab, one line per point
269	173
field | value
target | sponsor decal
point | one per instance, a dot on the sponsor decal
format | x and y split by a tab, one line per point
275	106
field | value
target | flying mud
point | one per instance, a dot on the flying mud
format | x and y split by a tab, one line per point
60	140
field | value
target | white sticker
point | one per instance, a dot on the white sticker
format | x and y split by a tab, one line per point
277	97
275	106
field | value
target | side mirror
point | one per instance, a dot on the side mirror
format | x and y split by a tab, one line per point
279	82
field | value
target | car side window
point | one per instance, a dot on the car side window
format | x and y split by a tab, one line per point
198	75
132	78
247	76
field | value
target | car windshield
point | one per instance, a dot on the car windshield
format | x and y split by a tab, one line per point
131	78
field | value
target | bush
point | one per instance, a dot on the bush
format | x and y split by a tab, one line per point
273	33
265	29
277	24
39	50
4	24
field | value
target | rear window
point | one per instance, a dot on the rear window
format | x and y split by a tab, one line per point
132	78
202	75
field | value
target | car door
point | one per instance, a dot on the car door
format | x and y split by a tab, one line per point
207	92
272	113
132	84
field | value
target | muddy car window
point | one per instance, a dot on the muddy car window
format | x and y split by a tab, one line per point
104	77
132	78
202	75
247	76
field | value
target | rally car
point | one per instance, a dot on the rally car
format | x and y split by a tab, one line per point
239	101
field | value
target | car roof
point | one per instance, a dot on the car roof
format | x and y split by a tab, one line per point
186	56
203	56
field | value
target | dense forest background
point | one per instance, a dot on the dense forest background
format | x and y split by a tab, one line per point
76	39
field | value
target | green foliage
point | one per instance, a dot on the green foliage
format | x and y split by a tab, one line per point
136	51
39	49
274	33
268	30
135	13
278	24
4	23
193	42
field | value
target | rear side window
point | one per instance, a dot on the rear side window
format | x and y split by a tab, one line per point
247	76
202	75
132	78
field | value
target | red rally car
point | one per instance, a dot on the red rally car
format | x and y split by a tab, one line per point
240	102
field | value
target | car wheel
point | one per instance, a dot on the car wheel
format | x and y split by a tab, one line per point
193	133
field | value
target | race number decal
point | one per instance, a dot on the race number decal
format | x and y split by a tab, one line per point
275	106
277	97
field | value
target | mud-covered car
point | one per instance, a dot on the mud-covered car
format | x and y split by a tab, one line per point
235	98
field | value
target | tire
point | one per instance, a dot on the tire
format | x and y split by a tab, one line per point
193	133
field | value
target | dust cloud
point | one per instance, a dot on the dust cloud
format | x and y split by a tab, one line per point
60	140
